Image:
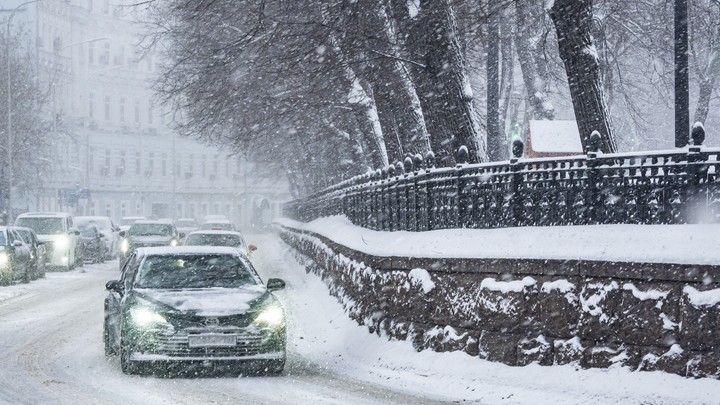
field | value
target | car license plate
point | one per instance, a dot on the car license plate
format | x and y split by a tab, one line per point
211	340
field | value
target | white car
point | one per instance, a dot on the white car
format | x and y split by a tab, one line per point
218	225
186	225
126	222
57	231
109	230
220	238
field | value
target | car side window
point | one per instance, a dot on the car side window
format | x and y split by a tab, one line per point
129	271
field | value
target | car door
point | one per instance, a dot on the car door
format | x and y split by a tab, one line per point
114	299
20	254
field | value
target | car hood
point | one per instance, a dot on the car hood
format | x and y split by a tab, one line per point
207	301
149	239
51	238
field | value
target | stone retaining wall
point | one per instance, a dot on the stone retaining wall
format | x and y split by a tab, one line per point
592	314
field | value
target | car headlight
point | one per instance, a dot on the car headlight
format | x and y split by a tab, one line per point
145	317
4	259
62	243
271	316
124	246
173	242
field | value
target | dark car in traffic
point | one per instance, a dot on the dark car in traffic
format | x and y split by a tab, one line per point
147	233
38	252
183	306
93	244
15	261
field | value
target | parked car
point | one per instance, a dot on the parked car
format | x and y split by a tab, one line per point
186	225
15	262
107	227
220	238
194	305
56	230
93	241
126	222
147	233
218	225
38	252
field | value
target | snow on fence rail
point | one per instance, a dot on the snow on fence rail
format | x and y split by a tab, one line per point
657	187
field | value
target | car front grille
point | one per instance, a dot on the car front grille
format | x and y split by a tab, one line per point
247	344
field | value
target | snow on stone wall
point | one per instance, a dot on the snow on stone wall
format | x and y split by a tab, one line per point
519	314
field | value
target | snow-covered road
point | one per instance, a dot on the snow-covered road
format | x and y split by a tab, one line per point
51	352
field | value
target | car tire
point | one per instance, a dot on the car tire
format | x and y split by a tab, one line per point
126	365
275	367
109	349
26	275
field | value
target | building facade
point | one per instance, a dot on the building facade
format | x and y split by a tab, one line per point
114	151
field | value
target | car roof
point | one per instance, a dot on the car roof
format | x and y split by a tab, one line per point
92	218
218	221
23	228
152	221
187	219
187	250
44	214
214	232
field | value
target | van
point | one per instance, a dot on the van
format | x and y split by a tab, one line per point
56	231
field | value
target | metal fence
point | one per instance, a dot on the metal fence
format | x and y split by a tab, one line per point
658	187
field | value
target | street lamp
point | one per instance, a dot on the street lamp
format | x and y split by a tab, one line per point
9	111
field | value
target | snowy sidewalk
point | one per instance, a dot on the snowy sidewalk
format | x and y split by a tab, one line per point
682	244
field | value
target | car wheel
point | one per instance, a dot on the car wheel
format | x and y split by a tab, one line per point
126	365
109	349
26	275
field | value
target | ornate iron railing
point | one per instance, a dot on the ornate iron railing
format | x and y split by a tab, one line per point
658	187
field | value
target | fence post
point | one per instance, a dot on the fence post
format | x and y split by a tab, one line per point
430	207
593	207
515	179
459	206
695	174
417	214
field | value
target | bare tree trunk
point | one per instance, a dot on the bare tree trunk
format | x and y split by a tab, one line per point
573	23
493	86
535	96
443	86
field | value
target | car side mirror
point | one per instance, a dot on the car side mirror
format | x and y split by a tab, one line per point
122	234
114	285
252	247
182	235
74	231
274	284
101	235
17	243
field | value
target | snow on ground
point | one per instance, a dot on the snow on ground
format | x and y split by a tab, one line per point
328	337
684	244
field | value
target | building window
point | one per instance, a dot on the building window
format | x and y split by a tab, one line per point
137	111
119	56
91	105
107	108
203	168
150	113
91	53
106	7
150	164
90	5
137	164
122	109
105	57
163	167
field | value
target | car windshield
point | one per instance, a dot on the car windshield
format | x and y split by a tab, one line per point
99	222
200	239
88	231
150	229
129	220
3	240
194	271
217	225
42	226
185	223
